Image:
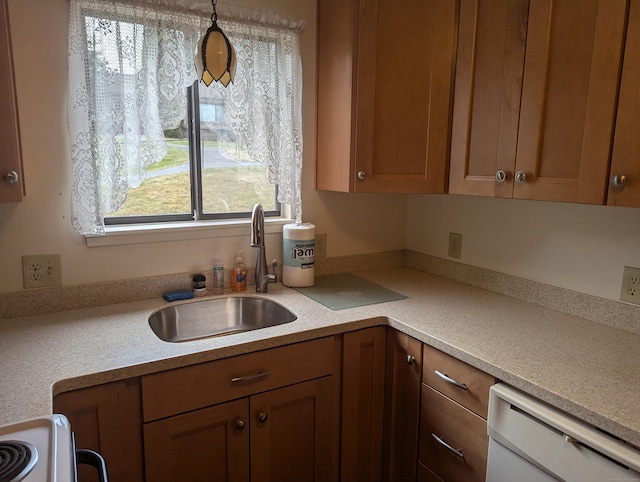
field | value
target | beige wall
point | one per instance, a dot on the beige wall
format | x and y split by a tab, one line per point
40	224
578	247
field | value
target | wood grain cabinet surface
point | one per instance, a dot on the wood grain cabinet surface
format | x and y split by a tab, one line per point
453	427
268	416
11	173
626	146
380	405
385	78
107	419
535	102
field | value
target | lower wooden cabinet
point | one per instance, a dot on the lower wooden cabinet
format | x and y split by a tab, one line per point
288	434
363	368
453	424
370	405
401	407
107	419
380	405
212	441
453	439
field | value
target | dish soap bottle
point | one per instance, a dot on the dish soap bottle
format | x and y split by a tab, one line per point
218	276
239	274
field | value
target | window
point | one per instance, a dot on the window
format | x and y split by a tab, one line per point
149	143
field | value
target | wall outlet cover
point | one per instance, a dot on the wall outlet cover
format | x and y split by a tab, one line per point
630	290
39	271
455	245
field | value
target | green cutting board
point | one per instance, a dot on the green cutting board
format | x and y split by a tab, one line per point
346	290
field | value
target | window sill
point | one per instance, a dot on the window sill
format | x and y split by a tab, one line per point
182	231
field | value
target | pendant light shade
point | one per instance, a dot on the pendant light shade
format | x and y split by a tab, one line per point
216	57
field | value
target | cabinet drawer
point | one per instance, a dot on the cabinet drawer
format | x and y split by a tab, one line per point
460	428
189	388
475	397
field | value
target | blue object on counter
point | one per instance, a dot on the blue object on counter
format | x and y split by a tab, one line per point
178	295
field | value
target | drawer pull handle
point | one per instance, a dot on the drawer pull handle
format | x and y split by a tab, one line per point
410	359
447	446
250	378
262	417
447	379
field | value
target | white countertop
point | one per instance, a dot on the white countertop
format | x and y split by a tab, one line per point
588	369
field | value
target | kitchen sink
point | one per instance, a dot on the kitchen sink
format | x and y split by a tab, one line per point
217	317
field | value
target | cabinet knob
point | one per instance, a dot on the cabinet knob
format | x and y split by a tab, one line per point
262	417
11	177
501	176
619	180
520	177
362	175
240	424
410	359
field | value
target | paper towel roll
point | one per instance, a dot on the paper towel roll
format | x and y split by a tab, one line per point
299	245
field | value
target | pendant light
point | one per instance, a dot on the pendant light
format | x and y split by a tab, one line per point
216	57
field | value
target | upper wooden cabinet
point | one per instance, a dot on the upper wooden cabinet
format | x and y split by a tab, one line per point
11	180
384	91
626	146
535	98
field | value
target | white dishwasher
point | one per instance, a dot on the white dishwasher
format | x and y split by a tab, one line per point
531	441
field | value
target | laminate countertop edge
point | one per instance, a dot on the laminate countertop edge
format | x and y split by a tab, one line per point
587	369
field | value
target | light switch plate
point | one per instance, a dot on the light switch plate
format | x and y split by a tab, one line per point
630	290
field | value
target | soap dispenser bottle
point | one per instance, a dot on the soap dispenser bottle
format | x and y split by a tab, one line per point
239	274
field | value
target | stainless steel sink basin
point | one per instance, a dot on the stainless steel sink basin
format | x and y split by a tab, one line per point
216	317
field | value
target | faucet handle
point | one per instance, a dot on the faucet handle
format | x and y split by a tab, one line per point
273	277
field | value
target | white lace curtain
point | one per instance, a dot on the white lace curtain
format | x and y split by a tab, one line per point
130	62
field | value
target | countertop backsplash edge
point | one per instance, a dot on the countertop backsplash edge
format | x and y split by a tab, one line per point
612	313
600	310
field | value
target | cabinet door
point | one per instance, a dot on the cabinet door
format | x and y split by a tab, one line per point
384	94
569	92
294	433
401	407
11	180
626	146
488	84
362	404
107	419
404	85
207	444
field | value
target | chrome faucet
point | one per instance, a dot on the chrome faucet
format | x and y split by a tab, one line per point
263	277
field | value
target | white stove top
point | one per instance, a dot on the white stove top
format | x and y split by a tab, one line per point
52	437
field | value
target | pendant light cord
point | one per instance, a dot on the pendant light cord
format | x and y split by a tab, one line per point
214	15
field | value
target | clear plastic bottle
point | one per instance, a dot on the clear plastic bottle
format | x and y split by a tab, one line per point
218	276
239	274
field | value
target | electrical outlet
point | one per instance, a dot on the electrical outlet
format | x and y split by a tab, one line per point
41	270
455	245
321	245
630	290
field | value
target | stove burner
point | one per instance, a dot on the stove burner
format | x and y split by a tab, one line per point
16	460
